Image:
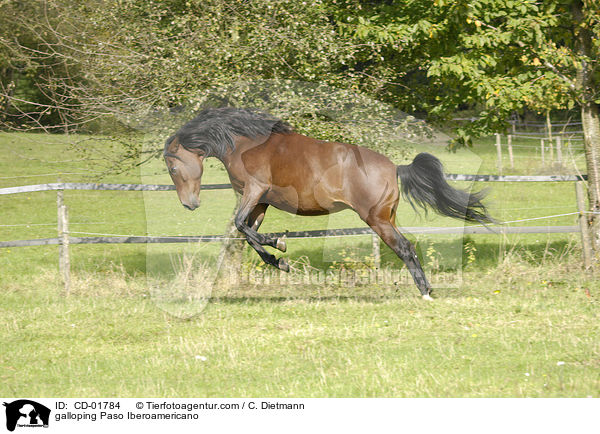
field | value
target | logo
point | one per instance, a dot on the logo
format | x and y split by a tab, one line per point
26	413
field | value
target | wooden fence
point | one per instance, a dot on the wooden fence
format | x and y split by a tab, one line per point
63	239
555	138
551	148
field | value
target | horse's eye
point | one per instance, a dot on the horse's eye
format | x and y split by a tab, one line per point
173	170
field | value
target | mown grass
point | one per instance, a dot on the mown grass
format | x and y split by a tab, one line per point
523	306
533	334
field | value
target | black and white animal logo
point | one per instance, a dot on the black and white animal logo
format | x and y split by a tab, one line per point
26	413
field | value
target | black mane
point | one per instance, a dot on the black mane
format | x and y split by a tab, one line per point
213	129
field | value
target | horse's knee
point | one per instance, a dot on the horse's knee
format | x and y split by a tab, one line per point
239	223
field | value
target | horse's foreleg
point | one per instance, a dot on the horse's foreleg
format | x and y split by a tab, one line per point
247	206
280	263
255	219
405	250
257	215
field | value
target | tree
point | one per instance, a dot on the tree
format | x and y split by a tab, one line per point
504	54
108	57
110	65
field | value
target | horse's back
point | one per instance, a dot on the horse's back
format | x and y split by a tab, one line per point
319	177
318	156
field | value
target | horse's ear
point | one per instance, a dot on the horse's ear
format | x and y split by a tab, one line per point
173	145
198	152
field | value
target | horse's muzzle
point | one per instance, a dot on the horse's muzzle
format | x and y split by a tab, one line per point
192	202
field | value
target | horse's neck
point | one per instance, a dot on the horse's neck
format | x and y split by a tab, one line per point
234	164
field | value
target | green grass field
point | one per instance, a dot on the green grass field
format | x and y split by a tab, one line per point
522	320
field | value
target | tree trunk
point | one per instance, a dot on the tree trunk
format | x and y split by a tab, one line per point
591	133
587	86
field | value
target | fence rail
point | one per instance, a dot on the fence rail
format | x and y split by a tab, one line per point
292	235
57	186
64	239
93	186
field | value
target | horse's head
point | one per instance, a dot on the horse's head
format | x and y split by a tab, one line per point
185	168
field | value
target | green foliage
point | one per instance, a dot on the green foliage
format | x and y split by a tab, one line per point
319	110
148	66
506	55
86	61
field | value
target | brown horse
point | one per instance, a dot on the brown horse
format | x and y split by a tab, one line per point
269	164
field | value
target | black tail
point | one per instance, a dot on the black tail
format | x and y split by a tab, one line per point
423	183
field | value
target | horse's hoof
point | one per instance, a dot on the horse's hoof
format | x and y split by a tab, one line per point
283	265
427	297
281	245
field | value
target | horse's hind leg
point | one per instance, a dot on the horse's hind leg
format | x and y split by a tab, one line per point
404	249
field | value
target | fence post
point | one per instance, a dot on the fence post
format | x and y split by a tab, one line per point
499	153
559	149
543	155
64	263
549	133
586	243
510	151
376	250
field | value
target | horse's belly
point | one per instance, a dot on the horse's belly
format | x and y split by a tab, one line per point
288	199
